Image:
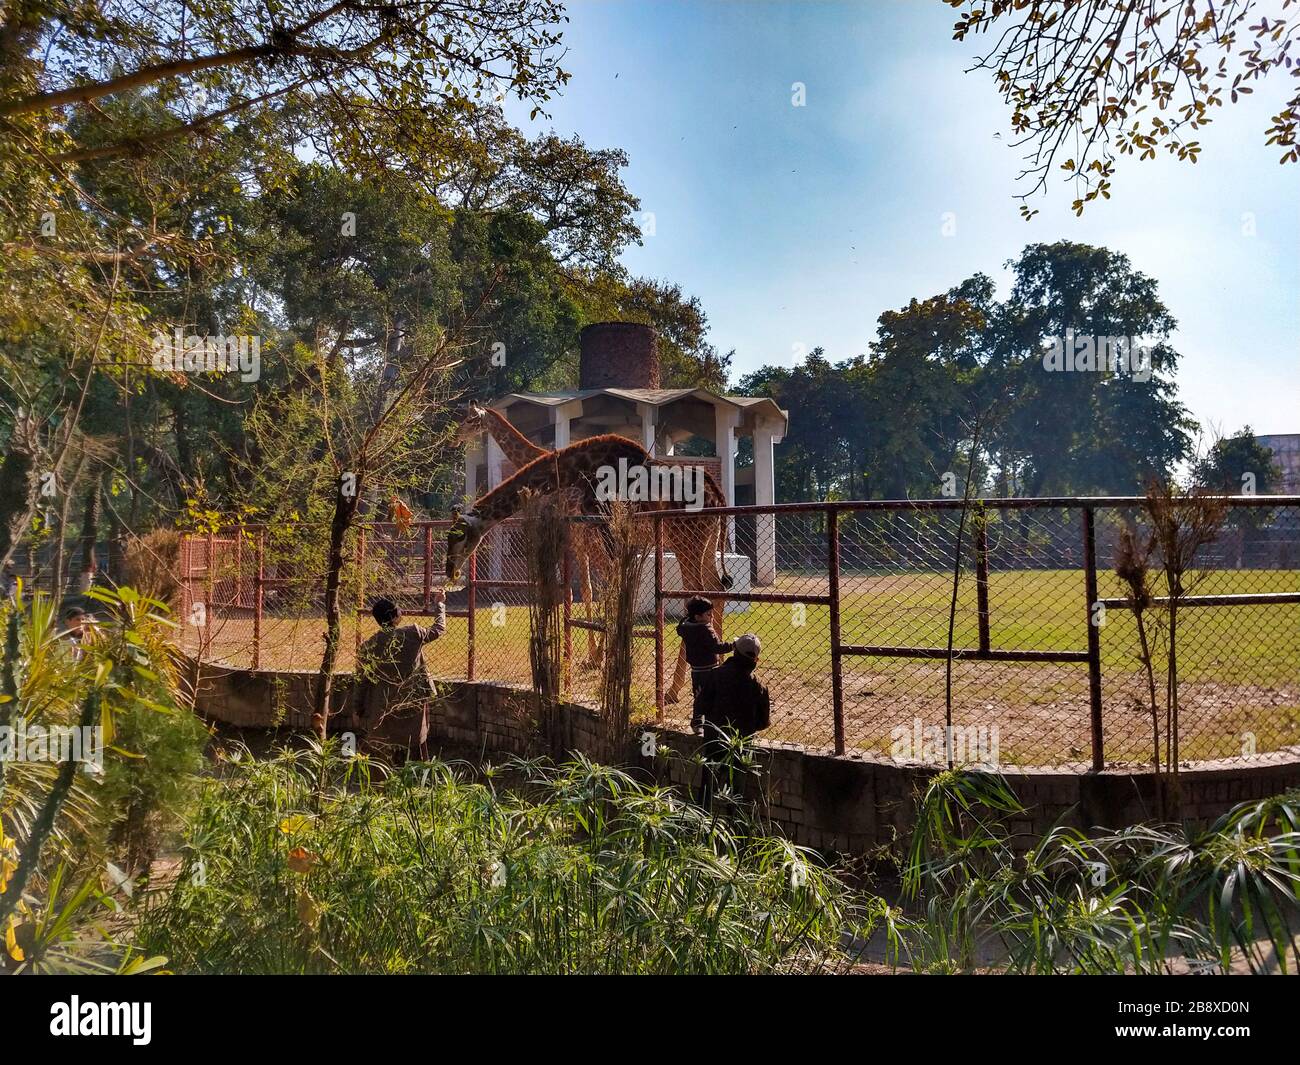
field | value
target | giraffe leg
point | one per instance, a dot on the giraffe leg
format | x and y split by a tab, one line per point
719	609
674	692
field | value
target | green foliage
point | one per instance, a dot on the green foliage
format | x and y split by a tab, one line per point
891	423
160	756
174	196
60	821
1237	464
1134	900
575	869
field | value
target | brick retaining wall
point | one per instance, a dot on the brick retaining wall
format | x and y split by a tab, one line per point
850	804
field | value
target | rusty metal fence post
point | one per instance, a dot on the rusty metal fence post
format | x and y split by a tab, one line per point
187	592
470	579
209	589
833	568
428	565
361	589
568	618
258	598
982	575
1094	639
659	617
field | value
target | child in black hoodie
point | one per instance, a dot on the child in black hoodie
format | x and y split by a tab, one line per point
701	644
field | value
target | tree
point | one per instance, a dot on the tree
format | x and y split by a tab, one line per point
227	62
382	336
923	368
1092	429
137	142
1088	82
811	459
575	192
891	423
1238	464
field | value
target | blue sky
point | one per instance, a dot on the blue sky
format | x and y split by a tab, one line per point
797	226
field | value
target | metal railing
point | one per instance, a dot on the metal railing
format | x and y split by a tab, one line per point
875	616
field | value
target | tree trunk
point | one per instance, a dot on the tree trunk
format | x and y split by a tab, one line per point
1172	722
17	489
60	550
345	507
90	534
30	854
184	455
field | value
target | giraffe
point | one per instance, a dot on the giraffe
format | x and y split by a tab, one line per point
574	469
514	445
521	451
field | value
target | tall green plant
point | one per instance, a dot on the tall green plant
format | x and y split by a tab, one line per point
542	869
60	812
1135	900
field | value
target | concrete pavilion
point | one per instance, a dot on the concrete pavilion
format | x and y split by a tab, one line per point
619	393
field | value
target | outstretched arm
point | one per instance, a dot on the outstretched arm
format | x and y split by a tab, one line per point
429	633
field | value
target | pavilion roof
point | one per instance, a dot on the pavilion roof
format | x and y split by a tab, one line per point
655	397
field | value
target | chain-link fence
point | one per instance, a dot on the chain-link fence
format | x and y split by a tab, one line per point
997	630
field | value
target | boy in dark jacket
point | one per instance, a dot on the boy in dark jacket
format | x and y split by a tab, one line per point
730	700
701	644
393	689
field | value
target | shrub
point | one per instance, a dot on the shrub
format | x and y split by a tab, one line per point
61	824
575	869
151	565
1129	901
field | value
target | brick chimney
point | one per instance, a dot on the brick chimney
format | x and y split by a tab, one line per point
618	355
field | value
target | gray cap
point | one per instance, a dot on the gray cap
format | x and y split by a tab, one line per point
747	645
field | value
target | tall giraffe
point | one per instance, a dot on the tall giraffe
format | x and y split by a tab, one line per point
587	549
514	445
693	541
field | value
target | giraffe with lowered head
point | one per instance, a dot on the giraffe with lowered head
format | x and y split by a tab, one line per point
587	549
695	541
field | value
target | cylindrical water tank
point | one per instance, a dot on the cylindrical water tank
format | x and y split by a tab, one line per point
618	355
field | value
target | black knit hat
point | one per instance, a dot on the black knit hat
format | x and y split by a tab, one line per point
698	605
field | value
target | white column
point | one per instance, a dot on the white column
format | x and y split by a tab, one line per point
648	425
495	458
497	537
562	416
473	456
765	436
725	421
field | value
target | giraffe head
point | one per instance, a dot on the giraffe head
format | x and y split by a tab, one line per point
473	425
466	531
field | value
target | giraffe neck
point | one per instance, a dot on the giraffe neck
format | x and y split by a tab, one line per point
516	447
501	502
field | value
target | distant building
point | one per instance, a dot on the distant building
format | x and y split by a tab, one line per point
1286	454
